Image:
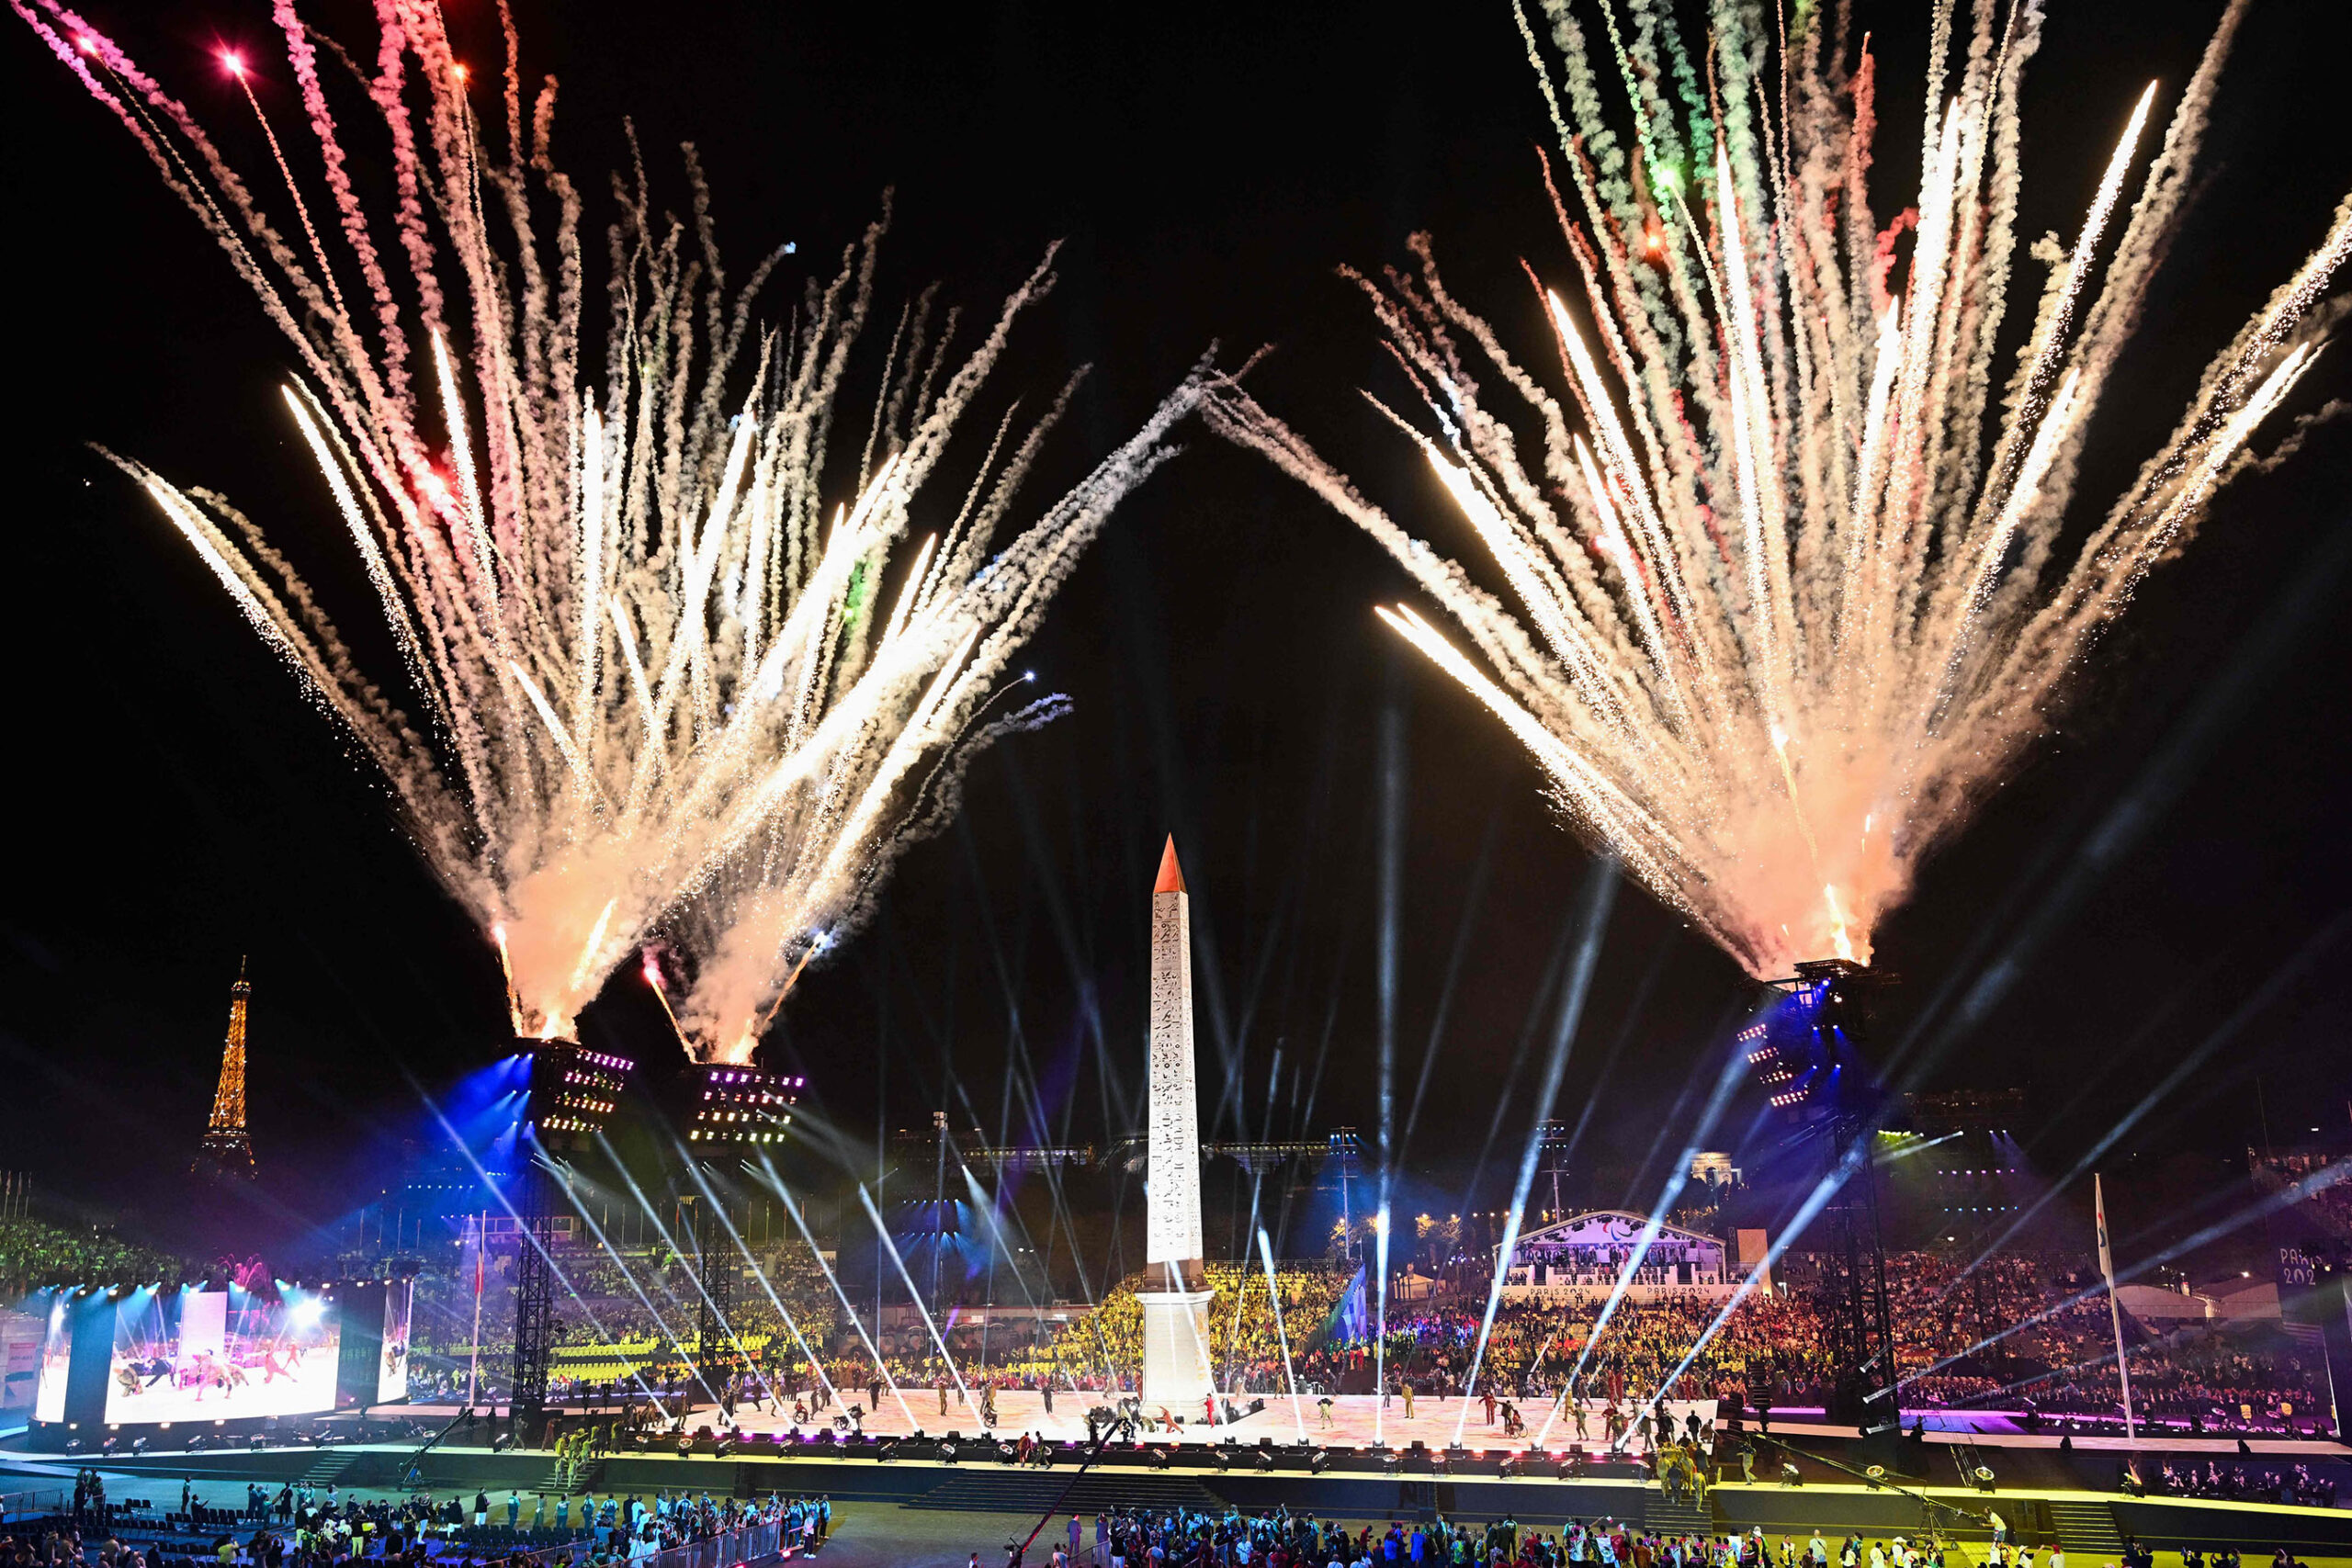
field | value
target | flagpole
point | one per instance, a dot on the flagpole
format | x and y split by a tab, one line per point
2114	1307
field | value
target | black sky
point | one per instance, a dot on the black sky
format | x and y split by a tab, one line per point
1208	166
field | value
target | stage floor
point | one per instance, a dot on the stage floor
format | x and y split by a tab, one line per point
1355	1421
1358	1420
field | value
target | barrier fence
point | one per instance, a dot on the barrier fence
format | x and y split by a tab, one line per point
32	1504
754	1543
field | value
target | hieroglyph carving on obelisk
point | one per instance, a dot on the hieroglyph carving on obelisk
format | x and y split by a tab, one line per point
1173	1230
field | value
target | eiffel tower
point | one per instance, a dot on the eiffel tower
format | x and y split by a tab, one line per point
227	1148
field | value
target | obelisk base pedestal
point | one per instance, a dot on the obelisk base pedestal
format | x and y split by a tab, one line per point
1176	1351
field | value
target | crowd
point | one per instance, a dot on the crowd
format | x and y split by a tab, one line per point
2016	1331
1182	1537
2295	1484
2023	1330
620	1322
34	1255
2005	1334
305	1528
1251	1320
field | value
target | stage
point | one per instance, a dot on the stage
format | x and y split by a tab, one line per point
1351	1421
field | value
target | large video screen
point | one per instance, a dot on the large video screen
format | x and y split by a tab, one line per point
56	1356
392	1376
192	1355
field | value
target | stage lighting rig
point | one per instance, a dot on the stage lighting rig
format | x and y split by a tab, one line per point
574	1091
723	1111
571	1095
1318	1461
730	1108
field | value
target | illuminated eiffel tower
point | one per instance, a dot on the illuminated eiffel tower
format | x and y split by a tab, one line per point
228	1149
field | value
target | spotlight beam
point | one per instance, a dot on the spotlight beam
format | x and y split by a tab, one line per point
2269	1203
2226	698
521	1229
875	1215
671	1242
1391	900
1726	1083
711	1197
1281	1335
1466	925
570	1191
775	1184
1600	897
2244	1013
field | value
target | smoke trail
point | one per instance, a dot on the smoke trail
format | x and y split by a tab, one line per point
1790	602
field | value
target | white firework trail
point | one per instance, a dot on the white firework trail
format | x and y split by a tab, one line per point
1796	593
644	642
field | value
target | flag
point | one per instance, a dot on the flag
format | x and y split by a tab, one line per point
2099	1214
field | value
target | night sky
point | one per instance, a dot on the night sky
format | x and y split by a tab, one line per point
2178	852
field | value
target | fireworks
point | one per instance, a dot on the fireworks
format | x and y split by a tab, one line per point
1797	591
657	678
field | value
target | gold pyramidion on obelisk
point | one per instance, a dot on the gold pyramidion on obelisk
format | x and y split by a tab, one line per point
228	1147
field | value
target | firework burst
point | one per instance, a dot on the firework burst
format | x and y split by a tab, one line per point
656	666
1788	586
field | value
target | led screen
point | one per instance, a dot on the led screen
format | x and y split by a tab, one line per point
197	1355
392	1376
56	1355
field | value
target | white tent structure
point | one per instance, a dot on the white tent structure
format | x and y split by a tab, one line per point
1588	1251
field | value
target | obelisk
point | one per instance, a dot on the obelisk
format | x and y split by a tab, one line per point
1175	1297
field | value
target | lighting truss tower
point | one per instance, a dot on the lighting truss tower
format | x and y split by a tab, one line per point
227	1148
1858	1321
1807	1056
729	1110
572	1097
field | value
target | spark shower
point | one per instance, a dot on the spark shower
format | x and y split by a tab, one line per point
1799	589
667	694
